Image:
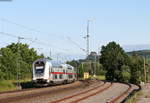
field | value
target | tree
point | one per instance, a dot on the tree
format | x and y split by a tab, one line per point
8	63
15	54
113	58
126	75
137	71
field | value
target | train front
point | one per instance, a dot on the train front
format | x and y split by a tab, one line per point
40	77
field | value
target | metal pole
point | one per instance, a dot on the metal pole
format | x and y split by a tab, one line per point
82	68
87	38
50	54
95	66
18	64
144	71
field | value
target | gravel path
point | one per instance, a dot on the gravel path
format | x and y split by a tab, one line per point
145	96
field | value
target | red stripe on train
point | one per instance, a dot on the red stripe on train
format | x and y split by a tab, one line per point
62	73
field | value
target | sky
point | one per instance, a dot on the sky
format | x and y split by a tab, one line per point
47	24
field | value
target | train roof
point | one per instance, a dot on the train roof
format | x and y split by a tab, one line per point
55	63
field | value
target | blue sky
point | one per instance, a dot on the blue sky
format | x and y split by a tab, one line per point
125	21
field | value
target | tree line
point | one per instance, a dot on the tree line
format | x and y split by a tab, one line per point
16	60
116	65
113	62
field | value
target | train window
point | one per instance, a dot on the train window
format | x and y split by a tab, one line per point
63	71
55	76
60	66
52	70
70	76
69	68
49	69
60	76
39	67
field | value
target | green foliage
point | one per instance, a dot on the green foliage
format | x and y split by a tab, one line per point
141	53
78	66
137	71
84	66
121	67
80	70
16	57
125	73
113	58
99	69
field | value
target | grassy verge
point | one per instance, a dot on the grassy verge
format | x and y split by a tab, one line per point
134	98
101	77
7	85
10	85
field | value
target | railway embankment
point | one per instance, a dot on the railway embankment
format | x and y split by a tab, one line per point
83	91
33	94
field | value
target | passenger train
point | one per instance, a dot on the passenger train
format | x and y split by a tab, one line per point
47	72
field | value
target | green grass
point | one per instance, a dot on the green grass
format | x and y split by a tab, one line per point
10	85
134	98
7	85
101	77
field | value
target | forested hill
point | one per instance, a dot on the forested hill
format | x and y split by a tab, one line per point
144	53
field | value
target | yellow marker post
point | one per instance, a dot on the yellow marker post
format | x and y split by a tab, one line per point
86	75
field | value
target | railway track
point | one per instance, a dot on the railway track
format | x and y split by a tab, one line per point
14	96
84	94
114	100
88	91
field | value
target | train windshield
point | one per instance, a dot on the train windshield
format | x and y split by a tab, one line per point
39	67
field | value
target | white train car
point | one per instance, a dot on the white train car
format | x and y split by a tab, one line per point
47	72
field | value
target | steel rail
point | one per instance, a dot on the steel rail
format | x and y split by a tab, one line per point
77	94
99	91
114	100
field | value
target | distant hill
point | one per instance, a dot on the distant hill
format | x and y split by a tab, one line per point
143	53
136	47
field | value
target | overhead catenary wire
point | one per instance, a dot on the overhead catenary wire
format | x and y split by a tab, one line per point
30	29
32	41
76	44
37	41
24	26
14	36
10	35
20	25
